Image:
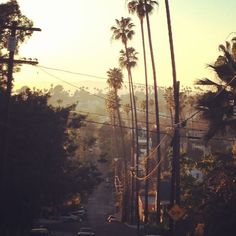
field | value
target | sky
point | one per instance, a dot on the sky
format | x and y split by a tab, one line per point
76	37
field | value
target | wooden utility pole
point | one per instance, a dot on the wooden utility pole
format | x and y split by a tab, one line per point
175	180
10	66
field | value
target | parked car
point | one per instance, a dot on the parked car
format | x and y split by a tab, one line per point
112	218
80	207
40	232
80	218
82	213
153	235
86	231
69	217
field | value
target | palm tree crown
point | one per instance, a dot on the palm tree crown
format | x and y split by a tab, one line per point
123	30
128	59
115	78
138	7
218	103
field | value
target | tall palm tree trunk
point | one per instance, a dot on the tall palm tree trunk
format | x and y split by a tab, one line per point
147	123
125	190
132	208
136	138
115	140
158	210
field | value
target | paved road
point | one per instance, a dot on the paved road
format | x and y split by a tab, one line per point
99	205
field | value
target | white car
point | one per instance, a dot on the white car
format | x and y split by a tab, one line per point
112	218
86	231
40	232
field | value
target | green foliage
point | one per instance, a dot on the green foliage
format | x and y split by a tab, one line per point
10	11
154	229
123	30
212	200
219	206
106	144
40	167
191	191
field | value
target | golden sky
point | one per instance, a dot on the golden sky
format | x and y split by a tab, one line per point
76	37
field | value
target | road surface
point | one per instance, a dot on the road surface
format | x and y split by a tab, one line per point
99	205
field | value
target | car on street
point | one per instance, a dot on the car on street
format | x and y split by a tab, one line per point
82	213
153	235
112	218
39	232
69	217
86	231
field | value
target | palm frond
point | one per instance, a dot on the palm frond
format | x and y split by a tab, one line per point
224	71
206	81
222	48
213	130
227	43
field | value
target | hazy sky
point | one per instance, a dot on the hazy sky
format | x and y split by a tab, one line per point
76	37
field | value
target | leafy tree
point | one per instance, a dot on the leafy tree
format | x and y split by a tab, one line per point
9	12
216	206
219	206
187	100
38	170
217	193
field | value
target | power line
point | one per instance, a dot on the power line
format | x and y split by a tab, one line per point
83	74
72	72
162	132
95	76
75	86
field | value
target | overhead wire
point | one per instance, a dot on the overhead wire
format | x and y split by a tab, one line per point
195	113
83	74
73	85
100	77
151	172
175	125
153	150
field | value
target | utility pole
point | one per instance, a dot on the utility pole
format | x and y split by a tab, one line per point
175	180
10	63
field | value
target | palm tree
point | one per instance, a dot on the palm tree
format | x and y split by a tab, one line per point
131	60
217	104
124	31
138	8
128	60
115	80
149	7
111	108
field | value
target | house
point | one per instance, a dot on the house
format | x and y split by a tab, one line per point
165	189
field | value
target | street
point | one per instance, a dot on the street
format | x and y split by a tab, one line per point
99	205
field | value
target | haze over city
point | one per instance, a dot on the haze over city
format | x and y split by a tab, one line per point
76	37
92	145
